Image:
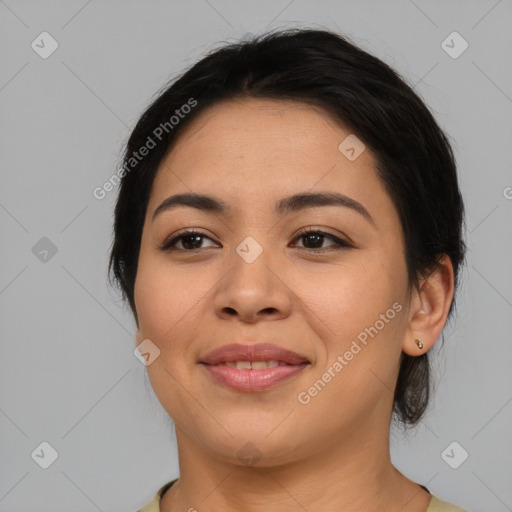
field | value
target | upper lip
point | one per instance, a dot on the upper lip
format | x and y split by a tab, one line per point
258	352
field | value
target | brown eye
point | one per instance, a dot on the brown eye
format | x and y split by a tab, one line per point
190	241
316	238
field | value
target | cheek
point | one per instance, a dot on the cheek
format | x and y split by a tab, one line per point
151	301
169	301
353	294
162	293
364	309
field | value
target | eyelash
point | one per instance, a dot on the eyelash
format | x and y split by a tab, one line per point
167	246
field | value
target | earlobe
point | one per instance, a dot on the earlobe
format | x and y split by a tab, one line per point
430	308
416	347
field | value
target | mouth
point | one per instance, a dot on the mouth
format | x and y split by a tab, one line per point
253	365
252	368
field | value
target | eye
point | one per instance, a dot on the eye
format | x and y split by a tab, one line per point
315	236
187	238
191	240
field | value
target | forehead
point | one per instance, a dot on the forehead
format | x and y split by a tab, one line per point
250	149
237	128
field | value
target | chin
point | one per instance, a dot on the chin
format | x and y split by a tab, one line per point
255	447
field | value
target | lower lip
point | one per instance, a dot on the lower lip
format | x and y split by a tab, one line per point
252	380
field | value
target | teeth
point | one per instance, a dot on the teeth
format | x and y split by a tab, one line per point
254	365
259	365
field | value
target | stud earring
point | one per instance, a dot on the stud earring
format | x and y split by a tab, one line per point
420	345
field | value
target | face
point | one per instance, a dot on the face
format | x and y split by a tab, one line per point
336	296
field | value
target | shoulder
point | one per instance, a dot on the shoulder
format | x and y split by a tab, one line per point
154	504
437	505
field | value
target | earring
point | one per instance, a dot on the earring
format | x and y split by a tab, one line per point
420	345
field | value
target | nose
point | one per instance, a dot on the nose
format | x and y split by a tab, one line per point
253	291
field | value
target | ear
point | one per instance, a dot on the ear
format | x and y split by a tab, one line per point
429	308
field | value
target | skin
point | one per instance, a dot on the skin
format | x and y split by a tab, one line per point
332	453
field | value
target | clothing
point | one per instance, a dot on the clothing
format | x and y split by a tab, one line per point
436	505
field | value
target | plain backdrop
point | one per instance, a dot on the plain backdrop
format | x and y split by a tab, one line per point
68	375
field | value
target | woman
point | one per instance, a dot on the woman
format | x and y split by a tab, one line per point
288	234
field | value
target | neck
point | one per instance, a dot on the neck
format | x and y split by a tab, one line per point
352	473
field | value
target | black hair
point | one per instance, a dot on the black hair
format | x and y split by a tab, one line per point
415	161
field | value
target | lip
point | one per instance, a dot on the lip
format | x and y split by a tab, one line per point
253	380
258	352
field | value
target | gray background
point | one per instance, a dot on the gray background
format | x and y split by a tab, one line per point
68	375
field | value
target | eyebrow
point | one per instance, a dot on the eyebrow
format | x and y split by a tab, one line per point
284	206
